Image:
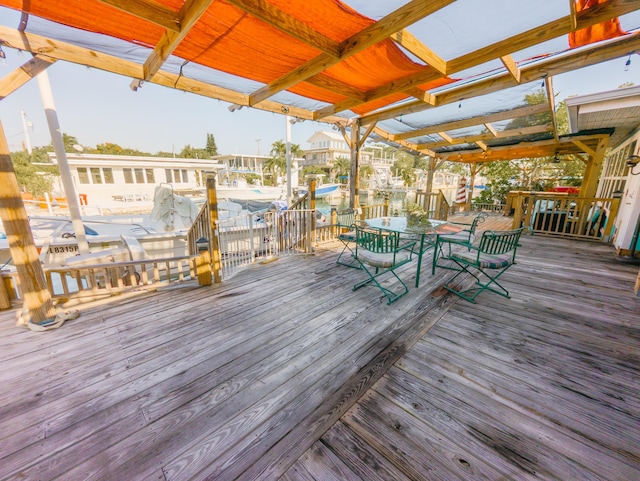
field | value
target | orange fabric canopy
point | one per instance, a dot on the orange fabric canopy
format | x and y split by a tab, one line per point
230	40
602	31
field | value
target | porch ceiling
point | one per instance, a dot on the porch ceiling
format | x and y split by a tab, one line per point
618	109
463	80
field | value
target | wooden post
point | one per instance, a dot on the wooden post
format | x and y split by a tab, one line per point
203	266
334	221
37	298
212	197
594	166
312	206
354	191
517	203
5	299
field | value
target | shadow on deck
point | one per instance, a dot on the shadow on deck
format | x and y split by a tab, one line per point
284	371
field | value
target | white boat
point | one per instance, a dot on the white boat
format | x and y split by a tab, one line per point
239	188
322	189
160	234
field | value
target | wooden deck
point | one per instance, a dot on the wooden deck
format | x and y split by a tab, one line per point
285	373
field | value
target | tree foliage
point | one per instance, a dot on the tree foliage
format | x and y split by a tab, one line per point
532	174
405	167
276	164
33	178
341	167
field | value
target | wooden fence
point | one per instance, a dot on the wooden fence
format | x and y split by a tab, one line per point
95	281
564	215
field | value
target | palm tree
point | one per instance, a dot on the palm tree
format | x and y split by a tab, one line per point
341	167
277	163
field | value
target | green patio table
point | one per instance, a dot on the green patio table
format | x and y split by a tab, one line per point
427	232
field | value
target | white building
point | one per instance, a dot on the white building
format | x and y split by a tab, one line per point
620	109
99	178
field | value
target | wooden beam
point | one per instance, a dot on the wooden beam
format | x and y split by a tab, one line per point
585	148
20	76
37	298
408	41
284	22
511	66
534	129
367	132
573	14
447	138
541	148
482	145
149	10
592	172
491	129
472	121
189	14
403	143
396	20
57	50
332	85
549	31
585	57
354	172
551	100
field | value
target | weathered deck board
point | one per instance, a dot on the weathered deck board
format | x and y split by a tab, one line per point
541	386
177	379
257	378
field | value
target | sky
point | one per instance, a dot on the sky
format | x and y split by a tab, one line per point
98	107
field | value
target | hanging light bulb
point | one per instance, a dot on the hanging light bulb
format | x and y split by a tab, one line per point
460	104
627	64
2	54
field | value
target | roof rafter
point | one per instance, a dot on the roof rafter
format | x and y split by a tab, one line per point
548	83
511	66
541	148
535	129
57	50
554	66
288	24
549	31
20	76
407	40
188	15
470	122
380	30
150	11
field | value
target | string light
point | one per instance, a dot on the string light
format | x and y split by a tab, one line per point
2	54
627	64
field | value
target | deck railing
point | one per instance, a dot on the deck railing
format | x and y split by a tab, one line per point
434	203
564	216
486	207
95	281
201	228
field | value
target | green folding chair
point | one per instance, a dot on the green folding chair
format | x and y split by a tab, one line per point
380	252
346	224
487	261
443	242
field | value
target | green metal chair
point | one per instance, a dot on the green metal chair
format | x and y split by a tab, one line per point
346	224
379	252
444	241
487	261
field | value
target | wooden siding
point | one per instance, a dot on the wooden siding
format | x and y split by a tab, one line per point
284	371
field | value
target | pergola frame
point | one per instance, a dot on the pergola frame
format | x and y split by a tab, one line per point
176	26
